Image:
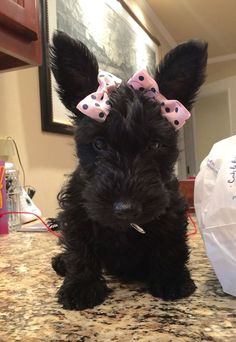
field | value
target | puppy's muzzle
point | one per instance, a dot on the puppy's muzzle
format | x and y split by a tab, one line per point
127	210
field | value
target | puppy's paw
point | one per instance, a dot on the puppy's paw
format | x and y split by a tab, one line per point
58	265
75	295
173	290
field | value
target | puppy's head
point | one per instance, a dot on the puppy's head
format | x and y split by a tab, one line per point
127	161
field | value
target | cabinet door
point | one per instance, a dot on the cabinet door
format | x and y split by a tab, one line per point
19	33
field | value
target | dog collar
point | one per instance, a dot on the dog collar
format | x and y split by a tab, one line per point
97	105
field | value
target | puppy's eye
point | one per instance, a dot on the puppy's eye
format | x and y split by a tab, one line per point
100	144
154	145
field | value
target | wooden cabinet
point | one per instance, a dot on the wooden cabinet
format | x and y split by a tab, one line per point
20	38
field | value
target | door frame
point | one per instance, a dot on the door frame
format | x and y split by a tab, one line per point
228	86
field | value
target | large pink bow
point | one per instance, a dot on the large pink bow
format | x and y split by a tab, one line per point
97	106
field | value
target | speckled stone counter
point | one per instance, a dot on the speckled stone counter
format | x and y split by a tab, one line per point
29	310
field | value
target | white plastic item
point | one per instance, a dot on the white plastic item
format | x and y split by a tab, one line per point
27	205
215	205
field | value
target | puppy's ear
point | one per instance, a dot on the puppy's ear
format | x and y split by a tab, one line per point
182	71
75	69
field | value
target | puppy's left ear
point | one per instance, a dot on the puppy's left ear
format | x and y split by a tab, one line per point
182	71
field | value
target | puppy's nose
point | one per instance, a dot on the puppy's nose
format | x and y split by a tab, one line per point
126	209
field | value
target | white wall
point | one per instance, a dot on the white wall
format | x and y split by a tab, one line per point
225	85
46	157
214	117
211	123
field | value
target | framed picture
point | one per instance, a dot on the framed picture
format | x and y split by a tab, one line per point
111	31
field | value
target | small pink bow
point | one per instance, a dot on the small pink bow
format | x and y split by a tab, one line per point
173	110
97	106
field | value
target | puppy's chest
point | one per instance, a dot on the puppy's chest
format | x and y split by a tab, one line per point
110	243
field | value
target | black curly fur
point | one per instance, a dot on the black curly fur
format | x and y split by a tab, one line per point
178	74
128	159
68	55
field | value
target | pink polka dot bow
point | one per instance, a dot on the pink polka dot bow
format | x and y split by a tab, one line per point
97	106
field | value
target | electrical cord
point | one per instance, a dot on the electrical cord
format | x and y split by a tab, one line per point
53	222
38	217
19	159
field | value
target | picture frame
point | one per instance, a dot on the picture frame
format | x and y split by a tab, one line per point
125	47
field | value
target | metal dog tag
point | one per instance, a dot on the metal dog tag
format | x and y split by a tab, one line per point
138	228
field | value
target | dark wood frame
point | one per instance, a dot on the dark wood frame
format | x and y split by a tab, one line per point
131	13
47	122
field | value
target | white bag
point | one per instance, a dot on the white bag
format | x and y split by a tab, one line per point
215	205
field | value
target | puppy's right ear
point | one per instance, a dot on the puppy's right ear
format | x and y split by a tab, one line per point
75	69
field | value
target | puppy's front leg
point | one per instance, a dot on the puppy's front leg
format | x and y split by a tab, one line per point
169	276
83	286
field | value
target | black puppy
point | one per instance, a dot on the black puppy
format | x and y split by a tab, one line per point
121	208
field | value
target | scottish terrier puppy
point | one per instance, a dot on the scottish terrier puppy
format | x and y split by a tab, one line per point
121	209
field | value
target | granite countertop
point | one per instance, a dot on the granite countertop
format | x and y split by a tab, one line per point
29	310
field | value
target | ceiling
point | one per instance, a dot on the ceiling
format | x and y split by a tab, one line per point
210	20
